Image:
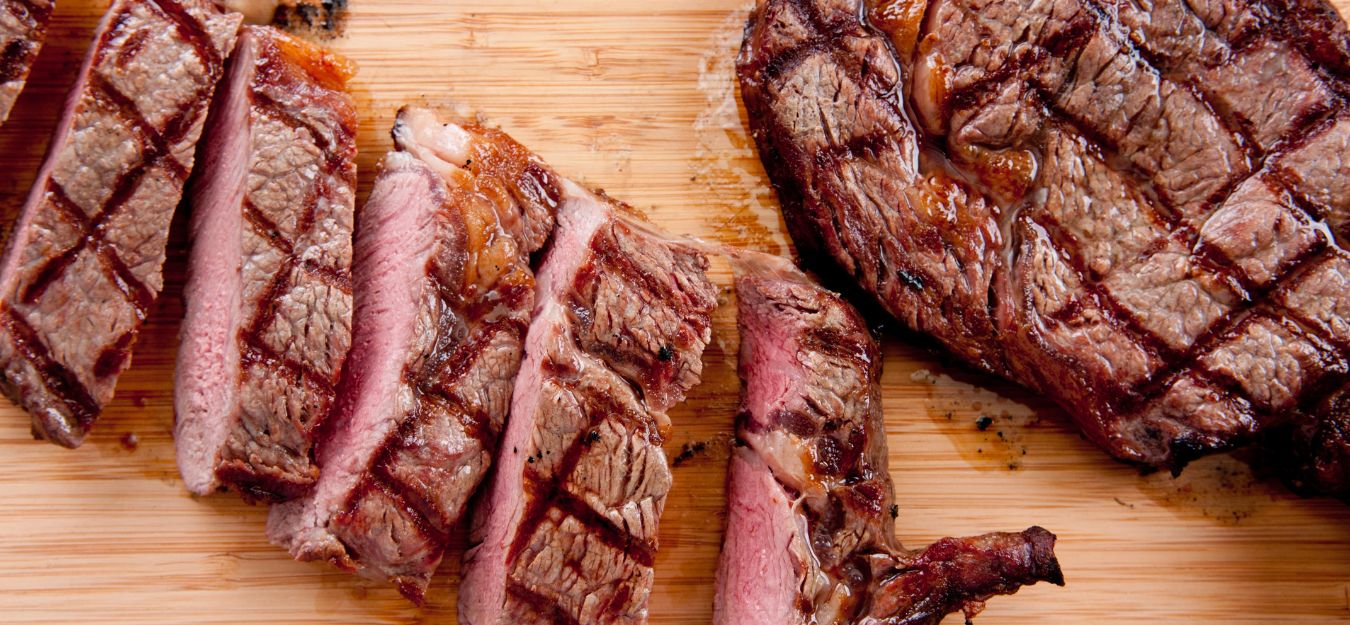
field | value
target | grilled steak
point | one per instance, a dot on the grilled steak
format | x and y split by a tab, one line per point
1136	208
809	526
83	264
23	28
567	528
268	295
443	299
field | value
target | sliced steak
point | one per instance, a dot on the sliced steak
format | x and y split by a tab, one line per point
1128	206
268	295
567	530
83	264
23	29
810	505
443	299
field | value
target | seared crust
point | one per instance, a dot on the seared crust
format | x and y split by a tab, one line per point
1128	207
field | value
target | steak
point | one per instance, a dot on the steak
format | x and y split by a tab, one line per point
566	531
1134	208
809	535
23	29
268	295
443	299
83	263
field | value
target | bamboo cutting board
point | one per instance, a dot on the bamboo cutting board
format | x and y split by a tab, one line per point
637	98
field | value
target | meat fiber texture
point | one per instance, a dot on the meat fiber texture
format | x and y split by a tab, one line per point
1138	209
566	530
268	296
443	298
83	264
809	535
23	29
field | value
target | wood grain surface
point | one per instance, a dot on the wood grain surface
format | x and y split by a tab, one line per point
637	98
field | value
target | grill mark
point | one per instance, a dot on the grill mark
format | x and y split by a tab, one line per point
60	381
1330	366
543	608
263	102
640	551
337	278
551	494
1066	244
431	388
373	482
154	145
545	491
260	486
131	47
137	294
254	352
1223	328
429	509
91	237
191	30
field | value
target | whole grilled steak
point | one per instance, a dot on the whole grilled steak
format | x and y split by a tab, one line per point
566	531
809	534
1138	209
83	264
443	299
268	294
23	28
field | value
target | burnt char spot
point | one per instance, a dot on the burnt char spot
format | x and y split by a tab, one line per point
688	452
323	18
911	280
14	61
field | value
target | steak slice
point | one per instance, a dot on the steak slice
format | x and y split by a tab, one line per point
83	264
23	29
1135	208
268	295
566	531
443	299
809	535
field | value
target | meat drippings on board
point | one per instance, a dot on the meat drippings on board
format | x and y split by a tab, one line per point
443	298
83	264
809	535
1135	208
268	295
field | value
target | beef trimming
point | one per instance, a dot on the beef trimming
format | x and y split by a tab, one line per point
1149	228
83	264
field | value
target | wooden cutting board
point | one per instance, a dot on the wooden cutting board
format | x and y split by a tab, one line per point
637	98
